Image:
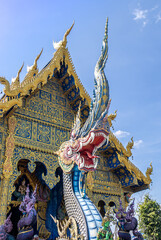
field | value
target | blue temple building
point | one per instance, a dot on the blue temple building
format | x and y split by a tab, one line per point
36	117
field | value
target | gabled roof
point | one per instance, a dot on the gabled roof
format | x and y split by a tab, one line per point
16	92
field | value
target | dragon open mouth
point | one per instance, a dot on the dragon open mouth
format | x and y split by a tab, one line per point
82	151
87	159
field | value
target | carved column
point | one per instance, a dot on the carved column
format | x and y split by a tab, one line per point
7	168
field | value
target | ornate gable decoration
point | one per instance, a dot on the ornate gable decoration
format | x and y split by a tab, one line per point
16	91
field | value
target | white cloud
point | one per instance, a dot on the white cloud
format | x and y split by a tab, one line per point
140	14
121	134
158	18
138	143
152	15
154	8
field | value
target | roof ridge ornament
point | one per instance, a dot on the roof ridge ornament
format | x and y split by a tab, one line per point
6	83
32	71
63	42
34	66
148	173
15	82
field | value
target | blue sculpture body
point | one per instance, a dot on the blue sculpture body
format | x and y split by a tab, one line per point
56	196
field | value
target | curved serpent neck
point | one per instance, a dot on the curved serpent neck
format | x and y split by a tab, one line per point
72	205
81	208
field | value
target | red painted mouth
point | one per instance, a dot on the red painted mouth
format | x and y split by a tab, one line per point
87	160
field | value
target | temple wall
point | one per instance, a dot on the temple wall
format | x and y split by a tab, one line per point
41	126
104	185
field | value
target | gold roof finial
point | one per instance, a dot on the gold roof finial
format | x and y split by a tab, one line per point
129	147
32	71
6	83
148	173
15	81
111	117
63	42
34	66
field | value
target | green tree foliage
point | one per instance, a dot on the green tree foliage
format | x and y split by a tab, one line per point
149	212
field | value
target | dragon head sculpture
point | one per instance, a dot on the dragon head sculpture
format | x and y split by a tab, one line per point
82	151
87	139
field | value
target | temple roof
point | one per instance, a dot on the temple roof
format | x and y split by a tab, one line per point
60	68
16	92
131	178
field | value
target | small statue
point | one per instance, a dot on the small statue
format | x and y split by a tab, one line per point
27	223
22	187
127	222
105	232
20	190
6	228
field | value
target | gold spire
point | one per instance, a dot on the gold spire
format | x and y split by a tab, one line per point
34	66
32	71
63	42
15	82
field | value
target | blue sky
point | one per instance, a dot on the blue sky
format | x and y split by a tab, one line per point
133	68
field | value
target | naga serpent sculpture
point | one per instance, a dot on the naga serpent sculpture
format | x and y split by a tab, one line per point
77	155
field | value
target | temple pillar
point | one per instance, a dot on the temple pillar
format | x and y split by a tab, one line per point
7	169
4	199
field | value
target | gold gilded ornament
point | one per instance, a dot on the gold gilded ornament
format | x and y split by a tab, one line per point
7	167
